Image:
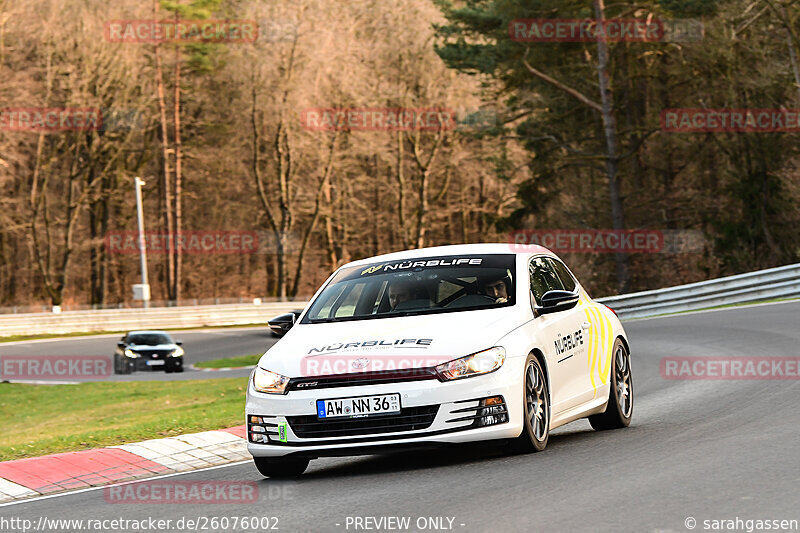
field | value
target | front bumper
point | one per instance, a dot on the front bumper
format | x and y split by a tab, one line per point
433	413
168	362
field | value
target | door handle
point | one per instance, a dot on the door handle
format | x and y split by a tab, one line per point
586	325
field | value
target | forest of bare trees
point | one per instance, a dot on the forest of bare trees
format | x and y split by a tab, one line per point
542	135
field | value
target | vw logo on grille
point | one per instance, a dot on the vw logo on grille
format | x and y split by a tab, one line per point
360	363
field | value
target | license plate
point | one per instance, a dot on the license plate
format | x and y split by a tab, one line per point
156	362
356	407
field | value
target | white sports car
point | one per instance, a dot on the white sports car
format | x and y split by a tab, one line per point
438	346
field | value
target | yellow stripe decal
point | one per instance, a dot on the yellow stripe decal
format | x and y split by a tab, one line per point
601	344
592	343
611	341
602	369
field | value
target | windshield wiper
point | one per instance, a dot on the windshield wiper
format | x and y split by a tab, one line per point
322	320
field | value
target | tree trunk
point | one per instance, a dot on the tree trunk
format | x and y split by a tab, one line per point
401	191
425	171
176	119
610	127
317	205
165	176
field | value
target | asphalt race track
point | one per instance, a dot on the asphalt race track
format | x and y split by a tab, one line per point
200	345
696	450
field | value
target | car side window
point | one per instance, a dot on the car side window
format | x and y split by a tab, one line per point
348	306
563	274
543	278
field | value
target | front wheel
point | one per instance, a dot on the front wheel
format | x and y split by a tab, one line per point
122	365
620	398
281	466
536	412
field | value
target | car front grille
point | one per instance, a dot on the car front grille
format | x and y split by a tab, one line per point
409	419
152	354
361	378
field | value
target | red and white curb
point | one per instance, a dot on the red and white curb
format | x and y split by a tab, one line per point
26	478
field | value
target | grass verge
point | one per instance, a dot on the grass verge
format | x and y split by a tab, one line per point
230	362
43	419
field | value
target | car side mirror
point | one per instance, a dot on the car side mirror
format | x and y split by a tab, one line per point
179	343
120	344
555	301
282	323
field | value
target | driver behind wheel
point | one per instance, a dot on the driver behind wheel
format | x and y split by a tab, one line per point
399	292
496	289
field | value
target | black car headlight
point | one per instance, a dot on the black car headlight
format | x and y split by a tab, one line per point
177	352
476	364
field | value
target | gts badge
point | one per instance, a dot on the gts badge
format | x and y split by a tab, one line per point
568	342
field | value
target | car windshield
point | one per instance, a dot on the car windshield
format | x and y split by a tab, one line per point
414	287
149	339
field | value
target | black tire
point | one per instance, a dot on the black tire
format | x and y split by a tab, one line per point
281	467
174	366
620	398
122	365
536	409
168	369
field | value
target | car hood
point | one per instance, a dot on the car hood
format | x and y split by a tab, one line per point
152	348
386	343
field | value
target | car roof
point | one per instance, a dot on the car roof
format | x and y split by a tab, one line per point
457	249
147	332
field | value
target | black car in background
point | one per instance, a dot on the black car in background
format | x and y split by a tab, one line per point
148	350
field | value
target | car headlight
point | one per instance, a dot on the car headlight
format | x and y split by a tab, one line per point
177	352
473	365
270	382
131	353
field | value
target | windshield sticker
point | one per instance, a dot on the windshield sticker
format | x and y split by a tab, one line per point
371	270
428	263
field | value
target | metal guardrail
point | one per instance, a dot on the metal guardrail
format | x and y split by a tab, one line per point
188	302
781	282
152	318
